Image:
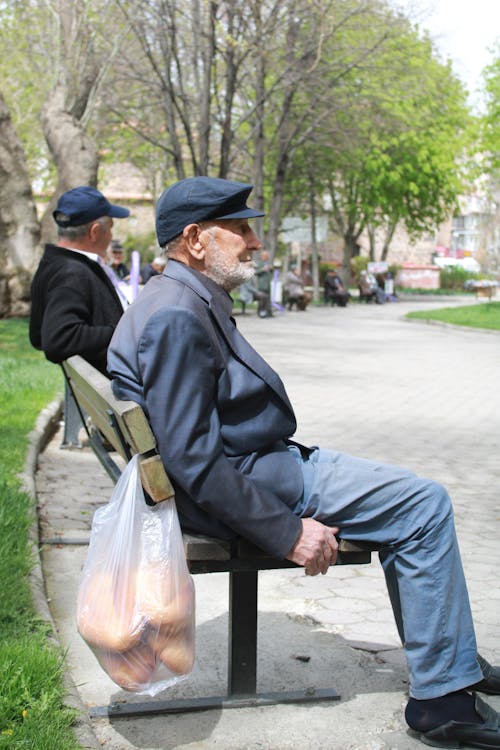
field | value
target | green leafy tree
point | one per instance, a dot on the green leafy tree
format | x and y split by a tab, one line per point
490	130
308	83
301	97
394	153
490	159
235	90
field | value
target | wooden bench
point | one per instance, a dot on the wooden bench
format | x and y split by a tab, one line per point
486	292
123	425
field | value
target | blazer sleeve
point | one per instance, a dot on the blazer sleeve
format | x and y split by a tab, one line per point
180	368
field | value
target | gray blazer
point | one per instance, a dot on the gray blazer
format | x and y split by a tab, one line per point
220	414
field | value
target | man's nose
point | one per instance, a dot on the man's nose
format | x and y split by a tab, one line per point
254	242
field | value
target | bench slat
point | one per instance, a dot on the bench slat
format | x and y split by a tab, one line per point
205	548
92	390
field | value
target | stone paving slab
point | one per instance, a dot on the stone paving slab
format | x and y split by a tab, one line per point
365	380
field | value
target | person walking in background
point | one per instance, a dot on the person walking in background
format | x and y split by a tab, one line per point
75	304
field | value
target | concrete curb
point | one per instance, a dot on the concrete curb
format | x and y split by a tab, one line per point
45	427
442	324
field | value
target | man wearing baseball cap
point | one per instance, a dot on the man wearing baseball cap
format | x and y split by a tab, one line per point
224	427
75	304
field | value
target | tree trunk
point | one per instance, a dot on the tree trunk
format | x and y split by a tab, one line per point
282	164
314	242
273	216
388	239
372	238
67	108
74	153
259	158
351	249
19	228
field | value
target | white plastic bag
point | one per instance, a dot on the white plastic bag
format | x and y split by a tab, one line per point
136	606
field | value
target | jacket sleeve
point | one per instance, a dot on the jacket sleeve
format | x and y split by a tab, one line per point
180	369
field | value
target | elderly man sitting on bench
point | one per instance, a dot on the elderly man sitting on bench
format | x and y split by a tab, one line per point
224	427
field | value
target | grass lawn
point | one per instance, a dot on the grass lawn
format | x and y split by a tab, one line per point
32	712
482	315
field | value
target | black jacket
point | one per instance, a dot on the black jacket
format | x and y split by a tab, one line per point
74	307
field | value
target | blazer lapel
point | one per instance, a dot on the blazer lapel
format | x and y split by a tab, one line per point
234	339
247	354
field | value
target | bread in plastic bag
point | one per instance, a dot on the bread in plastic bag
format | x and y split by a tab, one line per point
136	603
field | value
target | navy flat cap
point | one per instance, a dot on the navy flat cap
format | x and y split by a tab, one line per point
83	205
200	199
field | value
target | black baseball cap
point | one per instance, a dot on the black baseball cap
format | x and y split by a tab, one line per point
83	205
198	199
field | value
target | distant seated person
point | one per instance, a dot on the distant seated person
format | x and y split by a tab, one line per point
249	293
369	290
155	268
386	282
294	290
335	292
116	262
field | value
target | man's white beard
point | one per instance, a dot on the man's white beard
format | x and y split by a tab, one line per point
228	273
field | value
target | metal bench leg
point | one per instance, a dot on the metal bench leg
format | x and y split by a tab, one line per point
242	667
72	421
242	658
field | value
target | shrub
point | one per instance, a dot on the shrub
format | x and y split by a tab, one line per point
455	277
145	244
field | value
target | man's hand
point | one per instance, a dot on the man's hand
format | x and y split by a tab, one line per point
316	548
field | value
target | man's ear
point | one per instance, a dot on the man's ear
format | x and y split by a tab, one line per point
193	242
94	231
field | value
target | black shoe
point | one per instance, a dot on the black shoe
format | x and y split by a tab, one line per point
454	734
490	684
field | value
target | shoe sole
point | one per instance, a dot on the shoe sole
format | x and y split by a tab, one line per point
448	744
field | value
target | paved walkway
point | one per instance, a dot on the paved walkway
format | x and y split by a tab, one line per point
367	381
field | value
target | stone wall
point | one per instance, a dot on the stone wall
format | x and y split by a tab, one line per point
413	276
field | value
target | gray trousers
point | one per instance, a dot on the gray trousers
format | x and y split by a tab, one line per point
412	518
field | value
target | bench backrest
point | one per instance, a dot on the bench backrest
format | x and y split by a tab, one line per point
122	423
